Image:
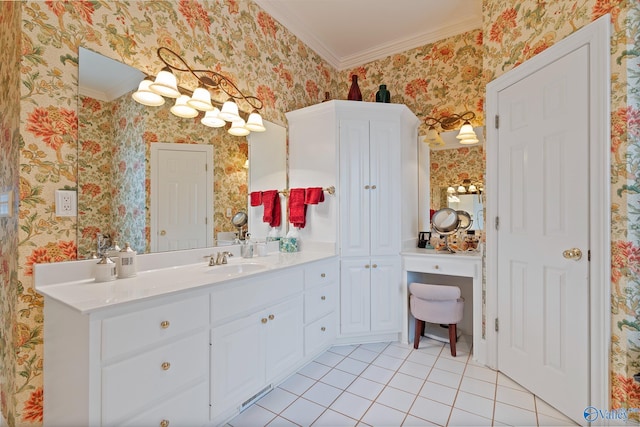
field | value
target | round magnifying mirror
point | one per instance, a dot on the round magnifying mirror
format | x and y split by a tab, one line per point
465	220
240	219
445	221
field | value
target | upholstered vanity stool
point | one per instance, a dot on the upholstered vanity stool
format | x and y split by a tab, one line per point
436	304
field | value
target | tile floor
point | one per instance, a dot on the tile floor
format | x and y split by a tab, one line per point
391	384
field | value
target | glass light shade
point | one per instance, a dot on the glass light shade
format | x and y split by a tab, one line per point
145	96
466	132
451	190
211	119
471	140
254	123
472	188
201	99
461	189
246	164
229	111
433	137
165	84
182	109
237	128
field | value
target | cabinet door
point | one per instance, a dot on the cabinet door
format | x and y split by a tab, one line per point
284	337
386	294
237	363
355	306
385	175
355	188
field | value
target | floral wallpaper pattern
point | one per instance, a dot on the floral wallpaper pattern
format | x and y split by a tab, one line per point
237	38
451	167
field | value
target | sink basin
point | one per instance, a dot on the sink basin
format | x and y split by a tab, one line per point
236	269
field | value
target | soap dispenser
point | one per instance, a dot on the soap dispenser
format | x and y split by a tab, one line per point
246	247
104	270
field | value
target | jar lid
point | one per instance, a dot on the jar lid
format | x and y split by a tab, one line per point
127	248
105	260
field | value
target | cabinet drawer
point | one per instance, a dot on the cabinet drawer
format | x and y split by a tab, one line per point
319	334
320	301
134	331
190	408
246	297
451	267
321	273
129	385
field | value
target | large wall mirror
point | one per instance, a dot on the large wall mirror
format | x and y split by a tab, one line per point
114	158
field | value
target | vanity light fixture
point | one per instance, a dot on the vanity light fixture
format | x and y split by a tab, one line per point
188	104
449	122
466	187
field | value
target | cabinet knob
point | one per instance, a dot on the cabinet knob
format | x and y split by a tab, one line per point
375	265
323	329
166	366
437	267
264	320
373	187
367	266
271	317
323	275
366	187
323	298
163	232
165	324
164	423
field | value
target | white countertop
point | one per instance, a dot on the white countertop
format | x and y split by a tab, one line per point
432	252
87	295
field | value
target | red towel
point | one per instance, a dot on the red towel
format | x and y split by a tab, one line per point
271	203
313	196
256	198
297	208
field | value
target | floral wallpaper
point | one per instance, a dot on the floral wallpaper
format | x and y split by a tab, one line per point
451	167
237	38
515	32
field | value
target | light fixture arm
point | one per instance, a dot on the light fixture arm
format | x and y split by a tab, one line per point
451	121
207	78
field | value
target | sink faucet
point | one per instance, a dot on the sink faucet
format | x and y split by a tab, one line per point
219	258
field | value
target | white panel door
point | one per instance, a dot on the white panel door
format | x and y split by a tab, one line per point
355	296
543	209
386	294
182	205
384	171
354	187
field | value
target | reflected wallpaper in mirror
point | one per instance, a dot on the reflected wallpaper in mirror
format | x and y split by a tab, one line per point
115	136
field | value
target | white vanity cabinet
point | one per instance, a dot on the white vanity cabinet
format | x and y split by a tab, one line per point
369	152
321	301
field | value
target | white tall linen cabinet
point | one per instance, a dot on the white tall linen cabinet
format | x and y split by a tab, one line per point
369	152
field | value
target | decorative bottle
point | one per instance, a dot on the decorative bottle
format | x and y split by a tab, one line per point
354	91
127	262
383	95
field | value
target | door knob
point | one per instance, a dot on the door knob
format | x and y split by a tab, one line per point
573	253
163	232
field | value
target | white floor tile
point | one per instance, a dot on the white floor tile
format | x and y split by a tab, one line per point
422	358
431	410
412	421
338	379
388	362
343	350
396	399
380	415
281	422
415	369
378	347
544	408
450	365
330	359
254	415
395	351
406	382
302	412
439	393
364	355
322	394
351	405
314	370
463	418
277	400
508	382
481	373
481	388
447	378
475	404
365	388
513	415
333	419
352	366
521	399
377	374
297	384
547	421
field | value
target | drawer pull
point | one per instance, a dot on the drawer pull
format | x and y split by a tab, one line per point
366	266
264	320
164	423
323	329
271	317
164	324
375	265
323	298
437	267
323	275
373	187
166	366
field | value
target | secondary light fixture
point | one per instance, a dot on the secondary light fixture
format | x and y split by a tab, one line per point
152	92
449	122
467	187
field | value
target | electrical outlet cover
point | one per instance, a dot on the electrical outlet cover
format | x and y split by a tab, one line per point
66	201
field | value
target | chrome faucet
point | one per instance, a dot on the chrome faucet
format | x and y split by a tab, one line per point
218	258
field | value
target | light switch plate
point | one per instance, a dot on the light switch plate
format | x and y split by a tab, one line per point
66	201
6	203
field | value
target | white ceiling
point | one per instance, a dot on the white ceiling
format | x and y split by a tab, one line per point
348	33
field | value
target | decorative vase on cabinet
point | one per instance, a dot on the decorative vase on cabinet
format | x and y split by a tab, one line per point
383	95
354	91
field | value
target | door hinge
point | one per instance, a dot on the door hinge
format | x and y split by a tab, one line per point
496	325
497	222
497	121
589	255
206	220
